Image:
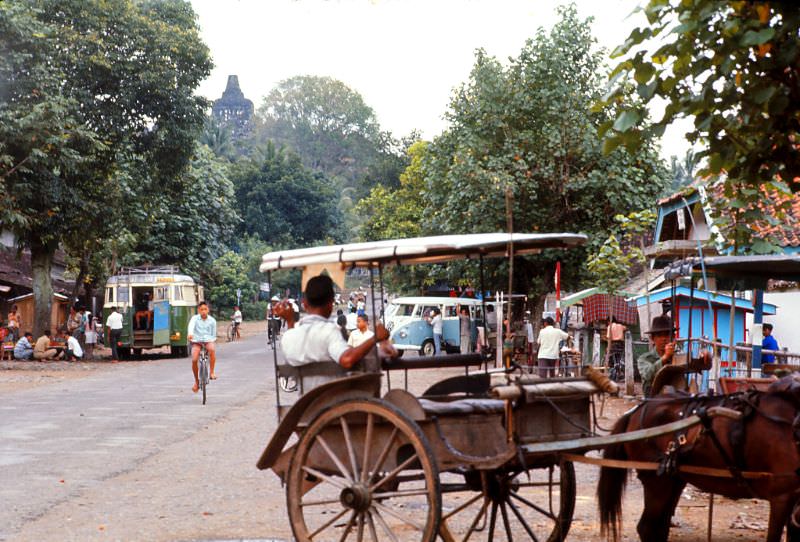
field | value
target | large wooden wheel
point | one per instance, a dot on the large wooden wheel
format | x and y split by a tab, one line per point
363	469
506	505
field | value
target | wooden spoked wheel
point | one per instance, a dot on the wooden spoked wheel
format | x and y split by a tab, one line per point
506	505
363	470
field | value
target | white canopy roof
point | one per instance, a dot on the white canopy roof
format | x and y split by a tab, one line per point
420	250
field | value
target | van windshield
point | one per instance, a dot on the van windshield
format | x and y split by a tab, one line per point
401	309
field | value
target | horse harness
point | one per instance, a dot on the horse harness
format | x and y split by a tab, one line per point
746	403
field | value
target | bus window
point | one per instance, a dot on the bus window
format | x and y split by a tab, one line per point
110	295
123	294
451	311
177	293
160	293
405	310
189	293
201	295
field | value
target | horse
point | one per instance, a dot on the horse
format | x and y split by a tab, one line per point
757	456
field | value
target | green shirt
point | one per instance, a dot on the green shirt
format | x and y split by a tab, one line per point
649	364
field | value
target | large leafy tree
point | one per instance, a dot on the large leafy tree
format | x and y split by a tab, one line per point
193	219
98	85
529	129
734	68
284	203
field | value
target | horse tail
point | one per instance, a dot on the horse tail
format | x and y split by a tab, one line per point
611	486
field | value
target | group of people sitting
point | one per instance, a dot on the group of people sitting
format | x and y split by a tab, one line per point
64	346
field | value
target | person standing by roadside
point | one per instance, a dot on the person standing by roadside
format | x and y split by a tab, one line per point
435	320
114	325
465	330
23	350
236	319
550	338
73	320
13	323
768	343
90	336
42	350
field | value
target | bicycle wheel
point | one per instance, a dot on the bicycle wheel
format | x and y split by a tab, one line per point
203	376
229	334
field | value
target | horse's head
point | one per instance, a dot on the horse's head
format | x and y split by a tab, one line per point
789	387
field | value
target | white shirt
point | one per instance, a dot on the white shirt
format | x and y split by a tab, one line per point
549	337
114	320
312	340
436	323
357	338
75	346
352	321
237	317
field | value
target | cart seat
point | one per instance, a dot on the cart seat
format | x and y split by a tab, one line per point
462	407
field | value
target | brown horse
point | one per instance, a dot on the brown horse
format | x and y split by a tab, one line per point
766	439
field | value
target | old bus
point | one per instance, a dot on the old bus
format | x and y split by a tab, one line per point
156	304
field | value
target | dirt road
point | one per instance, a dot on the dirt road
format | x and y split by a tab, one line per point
95	451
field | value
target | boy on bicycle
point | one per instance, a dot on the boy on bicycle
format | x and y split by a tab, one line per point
202	331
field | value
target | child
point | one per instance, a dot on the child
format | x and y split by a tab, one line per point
91	339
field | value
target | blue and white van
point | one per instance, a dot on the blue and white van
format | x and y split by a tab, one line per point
406	320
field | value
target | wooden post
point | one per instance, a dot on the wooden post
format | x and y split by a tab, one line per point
629	381
596	349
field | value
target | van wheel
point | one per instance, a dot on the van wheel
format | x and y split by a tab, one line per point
427	348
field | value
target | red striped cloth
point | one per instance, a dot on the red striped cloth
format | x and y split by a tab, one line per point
596	307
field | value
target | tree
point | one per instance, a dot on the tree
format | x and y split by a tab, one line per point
192	225
531	128
734	67
229	275
100	83
284	203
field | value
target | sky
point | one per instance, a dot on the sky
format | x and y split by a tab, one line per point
404	57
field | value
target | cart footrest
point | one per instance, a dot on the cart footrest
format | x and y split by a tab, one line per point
461	407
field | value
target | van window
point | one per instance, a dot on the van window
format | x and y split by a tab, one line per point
110	295
427	310
405	310
451	311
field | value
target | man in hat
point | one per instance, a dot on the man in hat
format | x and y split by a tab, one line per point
662	353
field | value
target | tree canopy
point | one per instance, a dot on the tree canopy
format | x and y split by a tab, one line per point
89	88
284	203
530	128
734	67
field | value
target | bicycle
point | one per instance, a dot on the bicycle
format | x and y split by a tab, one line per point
232	333
202	370
273	330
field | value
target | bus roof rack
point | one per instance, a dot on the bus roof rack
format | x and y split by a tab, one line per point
149	270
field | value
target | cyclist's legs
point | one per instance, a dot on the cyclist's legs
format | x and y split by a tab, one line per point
212	357
236	330
195	355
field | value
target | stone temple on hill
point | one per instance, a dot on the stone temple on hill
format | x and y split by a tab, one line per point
233	109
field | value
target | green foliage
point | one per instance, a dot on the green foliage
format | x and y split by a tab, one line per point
284	203
531	127
88	89
190	222
229	272
732	68
611	264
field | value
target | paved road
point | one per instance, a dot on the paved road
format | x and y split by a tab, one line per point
131	453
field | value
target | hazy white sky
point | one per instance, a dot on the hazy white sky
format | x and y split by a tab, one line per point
403	56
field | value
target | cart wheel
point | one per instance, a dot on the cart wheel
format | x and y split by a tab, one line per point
512	505
333	493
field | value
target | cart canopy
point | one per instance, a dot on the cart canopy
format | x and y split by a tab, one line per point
420	250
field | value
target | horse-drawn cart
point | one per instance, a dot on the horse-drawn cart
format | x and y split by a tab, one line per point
476	454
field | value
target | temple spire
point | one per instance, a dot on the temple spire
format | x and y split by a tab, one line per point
233	109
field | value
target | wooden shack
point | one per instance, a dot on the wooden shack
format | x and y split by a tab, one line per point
26	307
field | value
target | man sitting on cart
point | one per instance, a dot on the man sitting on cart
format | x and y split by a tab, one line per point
317	339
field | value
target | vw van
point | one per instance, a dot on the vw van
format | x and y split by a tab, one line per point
407	321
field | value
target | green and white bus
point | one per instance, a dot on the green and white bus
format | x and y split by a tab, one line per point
156	304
